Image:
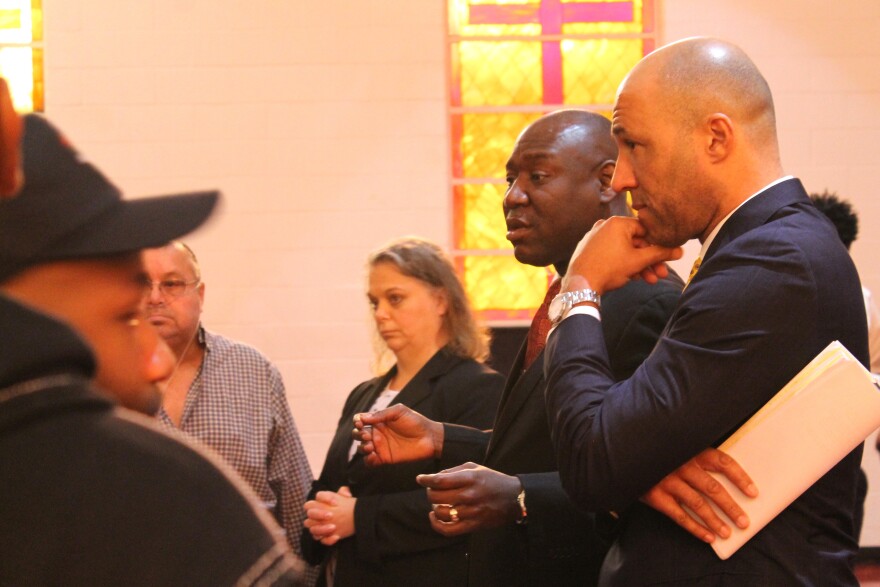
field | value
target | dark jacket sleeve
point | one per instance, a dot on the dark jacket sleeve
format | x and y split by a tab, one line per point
716	365
462	444
557	529
560	534
397	522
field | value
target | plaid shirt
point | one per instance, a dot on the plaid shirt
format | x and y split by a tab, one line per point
237	406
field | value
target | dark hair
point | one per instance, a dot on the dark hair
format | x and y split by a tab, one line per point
425	261
840	213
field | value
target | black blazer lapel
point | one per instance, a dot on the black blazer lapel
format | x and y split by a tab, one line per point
419	387
758	211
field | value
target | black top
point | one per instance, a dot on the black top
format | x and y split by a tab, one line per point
92	494
394	544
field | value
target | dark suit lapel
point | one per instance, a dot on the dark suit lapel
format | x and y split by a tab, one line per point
419	387
342	440
413	393
758	211
517	390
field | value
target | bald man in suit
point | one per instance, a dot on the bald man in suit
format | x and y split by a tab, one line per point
695	124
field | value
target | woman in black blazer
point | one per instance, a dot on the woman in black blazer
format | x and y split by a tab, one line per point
369	526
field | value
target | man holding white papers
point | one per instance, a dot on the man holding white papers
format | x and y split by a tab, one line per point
698	151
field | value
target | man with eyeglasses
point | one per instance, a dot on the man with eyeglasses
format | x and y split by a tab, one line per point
92	493
225	393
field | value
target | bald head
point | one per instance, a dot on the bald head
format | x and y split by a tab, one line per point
701	76
587	131
696	129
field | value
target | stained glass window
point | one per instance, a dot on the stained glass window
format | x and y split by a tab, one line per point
21	52
510	63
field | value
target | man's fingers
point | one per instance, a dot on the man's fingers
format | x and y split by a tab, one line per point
696	474
449	479
379	416
720	462
446	496
664	502
448	529
373	460
714	491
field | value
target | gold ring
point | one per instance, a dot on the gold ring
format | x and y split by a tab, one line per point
453	515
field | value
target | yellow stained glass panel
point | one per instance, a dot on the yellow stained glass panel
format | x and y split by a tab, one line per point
21	61
593	69
503	282
499	73
10	19
487	141
460	20
481	206
512	68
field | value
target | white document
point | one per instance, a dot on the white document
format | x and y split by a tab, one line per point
822	414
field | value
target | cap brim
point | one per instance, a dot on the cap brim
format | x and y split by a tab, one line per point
142	223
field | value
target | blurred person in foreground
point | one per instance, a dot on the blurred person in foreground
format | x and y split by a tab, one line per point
92	493
368	526
225	393
771	288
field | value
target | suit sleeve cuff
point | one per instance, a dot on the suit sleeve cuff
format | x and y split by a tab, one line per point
586	310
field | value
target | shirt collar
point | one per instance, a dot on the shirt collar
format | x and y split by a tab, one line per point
708	242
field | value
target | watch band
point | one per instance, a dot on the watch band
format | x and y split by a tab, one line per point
585	295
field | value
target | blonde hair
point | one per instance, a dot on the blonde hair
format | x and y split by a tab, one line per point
425	261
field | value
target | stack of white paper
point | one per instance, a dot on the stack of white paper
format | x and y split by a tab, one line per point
823	413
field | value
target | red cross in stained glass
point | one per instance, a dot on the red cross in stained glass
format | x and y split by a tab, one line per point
551	15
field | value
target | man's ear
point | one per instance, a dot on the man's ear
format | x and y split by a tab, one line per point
719	137
606	172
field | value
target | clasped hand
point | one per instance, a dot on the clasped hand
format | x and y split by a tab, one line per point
330	516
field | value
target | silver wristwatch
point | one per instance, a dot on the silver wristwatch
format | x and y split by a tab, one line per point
563	302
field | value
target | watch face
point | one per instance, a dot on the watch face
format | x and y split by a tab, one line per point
556	308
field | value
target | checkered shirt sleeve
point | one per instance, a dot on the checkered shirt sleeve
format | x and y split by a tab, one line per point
237	405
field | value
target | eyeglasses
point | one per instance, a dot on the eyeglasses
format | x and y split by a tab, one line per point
170	288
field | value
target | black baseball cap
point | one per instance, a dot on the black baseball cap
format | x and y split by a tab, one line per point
67	209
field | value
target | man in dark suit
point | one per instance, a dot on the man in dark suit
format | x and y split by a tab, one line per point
695	125
524	529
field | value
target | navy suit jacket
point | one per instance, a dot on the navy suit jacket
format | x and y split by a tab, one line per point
775	287
559	545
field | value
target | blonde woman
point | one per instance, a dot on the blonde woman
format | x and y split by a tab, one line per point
369	526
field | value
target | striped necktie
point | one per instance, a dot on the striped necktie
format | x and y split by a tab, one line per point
537	336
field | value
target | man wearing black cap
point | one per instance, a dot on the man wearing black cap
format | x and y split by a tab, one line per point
91	494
